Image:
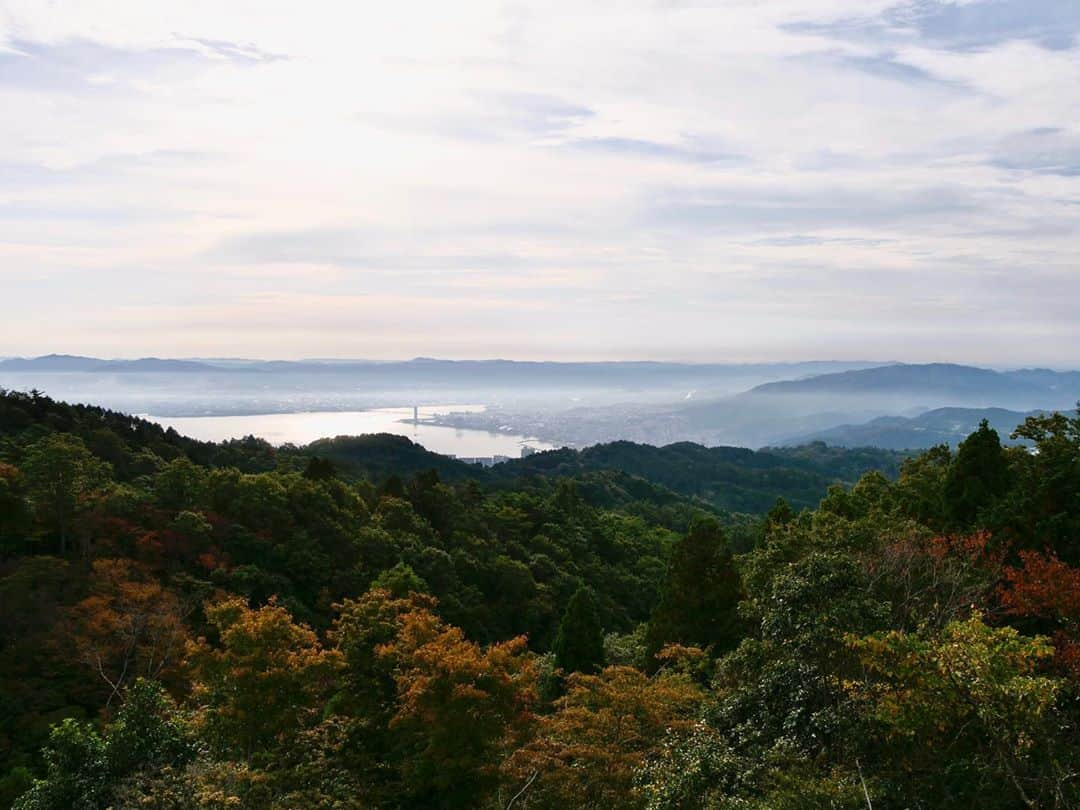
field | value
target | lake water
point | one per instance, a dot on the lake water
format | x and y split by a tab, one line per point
302	428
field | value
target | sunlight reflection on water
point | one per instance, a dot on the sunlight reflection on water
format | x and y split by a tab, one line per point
302	428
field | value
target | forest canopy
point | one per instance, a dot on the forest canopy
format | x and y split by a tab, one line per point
193	625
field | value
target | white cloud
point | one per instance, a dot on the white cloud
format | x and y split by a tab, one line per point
711	181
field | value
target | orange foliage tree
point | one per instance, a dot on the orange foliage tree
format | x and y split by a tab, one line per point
265	680
454	708
602	732
129	626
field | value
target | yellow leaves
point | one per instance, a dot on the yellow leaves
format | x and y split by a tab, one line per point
440	672
601	733
967	677
453	703
267	675
681	657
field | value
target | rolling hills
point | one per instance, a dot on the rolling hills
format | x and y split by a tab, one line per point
939	426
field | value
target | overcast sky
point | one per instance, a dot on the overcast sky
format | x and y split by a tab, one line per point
736	180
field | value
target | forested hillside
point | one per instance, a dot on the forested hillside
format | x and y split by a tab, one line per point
361	624
940	426
731	479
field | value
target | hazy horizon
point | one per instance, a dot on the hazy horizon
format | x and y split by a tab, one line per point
481	358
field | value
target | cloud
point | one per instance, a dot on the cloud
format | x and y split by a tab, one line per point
739	209
84	66
490	117
81	65
1047	150
239	52
355	249
732	180
887	65
985	23
692	150
960	25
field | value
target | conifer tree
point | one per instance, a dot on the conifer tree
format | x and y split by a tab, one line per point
700	595
977	477
780	515
579	645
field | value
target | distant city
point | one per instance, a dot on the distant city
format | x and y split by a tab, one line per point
491	461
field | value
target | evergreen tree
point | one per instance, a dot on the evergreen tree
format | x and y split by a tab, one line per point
320	469
400	581
62	473
579	644
700	594
977	477
15	512
392	487
780	515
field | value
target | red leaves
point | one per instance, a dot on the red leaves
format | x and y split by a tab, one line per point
1044	587
975	548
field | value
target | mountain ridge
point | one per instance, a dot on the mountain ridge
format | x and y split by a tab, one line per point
938	426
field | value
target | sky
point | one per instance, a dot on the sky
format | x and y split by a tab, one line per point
726	181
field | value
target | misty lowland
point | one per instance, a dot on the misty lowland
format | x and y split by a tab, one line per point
517	405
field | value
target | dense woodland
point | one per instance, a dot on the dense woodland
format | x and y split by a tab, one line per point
360	624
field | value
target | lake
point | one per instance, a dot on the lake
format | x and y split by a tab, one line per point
305	427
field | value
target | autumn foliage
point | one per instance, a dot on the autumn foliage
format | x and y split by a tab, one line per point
189	626
1046	589
128	627
260	683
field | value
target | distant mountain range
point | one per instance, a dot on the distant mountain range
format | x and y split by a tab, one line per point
190	387
814	378
76	363
937	381
772	413
810	408
939	426
581	404
431	367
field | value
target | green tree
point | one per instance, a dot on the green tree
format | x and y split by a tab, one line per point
180	485
780	515
76	776
147	733
1045	502
61	473
579	644
977	477
15	783
83	768
15	511
320	469
920	490
400	581
700	596
975	692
